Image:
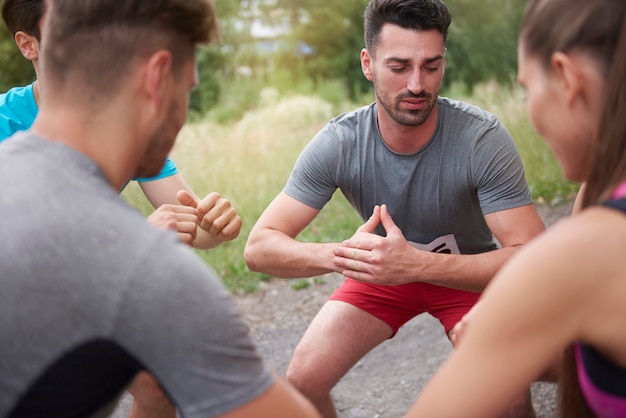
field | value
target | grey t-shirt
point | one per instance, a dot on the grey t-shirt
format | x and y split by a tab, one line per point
79	268
437	196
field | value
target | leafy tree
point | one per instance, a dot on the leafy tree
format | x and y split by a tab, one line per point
482	43
319	41
325	41
213	59
207	94
337	43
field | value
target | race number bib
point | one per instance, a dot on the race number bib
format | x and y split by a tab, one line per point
443	245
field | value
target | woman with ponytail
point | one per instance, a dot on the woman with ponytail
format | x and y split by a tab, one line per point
562	298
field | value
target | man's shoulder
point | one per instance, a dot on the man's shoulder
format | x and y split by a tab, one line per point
363	113
18	110
349	126
22	94
460	108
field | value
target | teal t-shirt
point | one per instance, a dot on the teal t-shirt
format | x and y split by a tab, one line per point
18	110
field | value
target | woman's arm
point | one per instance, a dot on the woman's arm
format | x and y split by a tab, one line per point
538	304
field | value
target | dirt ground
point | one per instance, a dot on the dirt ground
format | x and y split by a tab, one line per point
386	381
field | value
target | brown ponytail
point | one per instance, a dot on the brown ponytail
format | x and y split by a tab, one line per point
608	166
571	401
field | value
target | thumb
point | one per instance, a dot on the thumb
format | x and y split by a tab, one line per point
387	221
373	221
187	199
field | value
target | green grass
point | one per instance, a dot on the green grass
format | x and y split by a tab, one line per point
248	162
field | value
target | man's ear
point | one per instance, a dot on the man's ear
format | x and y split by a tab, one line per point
366	64
569	75
158	78
28	45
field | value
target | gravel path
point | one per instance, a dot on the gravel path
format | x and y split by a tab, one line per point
386	381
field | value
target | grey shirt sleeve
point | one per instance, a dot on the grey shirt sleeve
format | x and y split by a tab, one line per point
313	178
181	323
497	170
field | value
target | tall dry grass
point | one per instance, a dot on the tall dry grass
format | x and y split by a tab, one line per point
248	162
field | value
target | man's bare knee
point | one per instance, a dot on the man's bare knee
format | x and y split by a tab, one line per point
309	382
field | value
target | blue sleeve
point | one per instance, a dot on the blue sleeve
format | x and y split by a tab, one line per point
18	110
169	169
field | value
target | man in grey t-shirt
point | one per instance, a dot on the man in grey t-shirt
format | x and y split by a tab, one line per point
90	293
435	180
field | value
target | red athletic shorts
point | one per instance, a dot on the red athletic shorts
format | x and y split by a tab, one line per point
396	305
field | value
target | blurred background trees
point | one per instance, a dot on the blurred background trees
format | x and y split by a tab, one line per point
314	45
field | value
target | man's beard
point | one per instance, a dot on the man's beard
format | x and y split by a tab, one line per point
159	146
406	117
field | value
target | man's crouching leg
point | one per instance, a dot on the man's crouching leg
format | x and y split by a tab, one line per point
339	336
149	399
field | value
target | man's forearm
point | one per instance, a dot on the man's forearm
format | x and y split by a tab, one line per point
471	272
290	258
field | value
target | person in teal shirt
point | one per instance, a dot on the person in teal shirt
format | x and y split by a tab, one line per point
18	110
202	223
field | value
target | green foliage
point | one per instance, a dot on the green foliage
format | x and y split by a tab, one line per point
239	96
227	8
206	95
320	42
301	284
335	33
482	41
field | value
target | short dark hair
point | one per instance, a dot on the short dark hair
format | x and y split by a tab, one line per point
23	15
419	15
93	43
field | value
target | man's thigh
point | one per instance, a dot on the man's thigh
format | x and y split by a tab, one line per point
396	305
449	305
338	337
